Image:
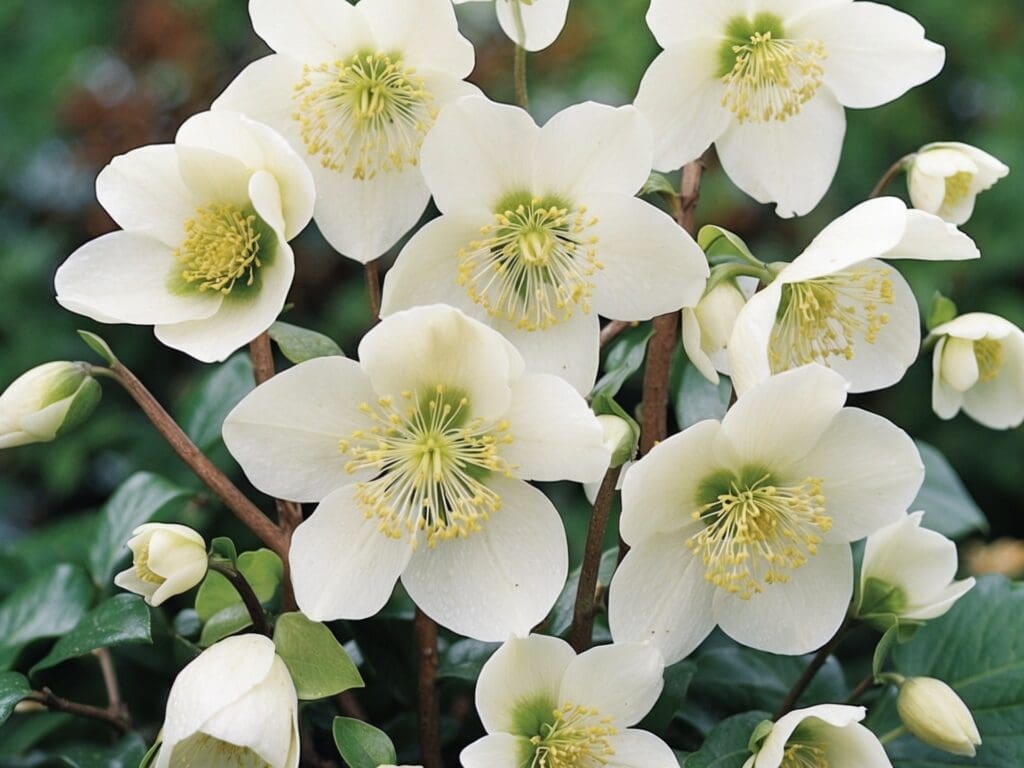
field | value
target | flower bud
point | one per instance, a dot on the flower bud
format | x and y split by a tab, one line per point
167	560
619	439
708	326
46	401
946	178
236	705
933	712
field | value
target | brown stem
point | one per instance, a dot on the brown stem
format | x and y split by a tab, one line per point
115	703
260	622
612	331
894	170
427	705
350	706
581	635
812	669
373	289
197	461
51	701
863	687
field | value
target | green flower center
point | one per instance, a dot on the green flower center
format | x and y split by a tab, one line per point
958	187
204	751
576	737
823	318
369	113
224	249
534	264
755	530
766	75
803	756
431	460
990	356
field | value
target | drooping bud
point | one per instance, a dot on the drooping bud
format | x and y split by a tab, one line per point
45	402
708	326
619	438
945	179
167	560
933	712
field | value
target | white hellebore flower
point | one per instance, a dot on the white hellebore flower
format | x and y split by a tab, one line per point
766	81
530	24
747	523
826	736
836	304
167	560
946	178
908	572
233	705
45	401
415	454
203	254
978	365
541	231
933	712
542	705
708	326
355	89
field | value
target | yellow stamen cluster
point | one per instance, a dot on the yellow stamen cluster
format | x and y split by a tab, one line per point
578	738
431	459
221	247
773	78
824	317
755	533
142	569
958	187
803	756
201	749
990	356
533	265
368	113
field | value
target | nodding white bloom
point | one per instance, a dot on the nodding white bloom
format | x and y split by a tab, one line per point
933	712
203	253
908	572
45	401
836	304
541	231
946	178
416	455
235	704
167	560
354	89
826	736
530	24
747	523
542	705
767	81
708	326
978	365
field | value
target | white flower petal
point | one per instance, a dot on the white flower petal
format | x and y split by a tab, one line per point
640	749
343	566
125	277
946	401
497	750
854	746
773	747
748	345
675	22
871	470
523	672
942	601
542	22
659	596
500	580
263	91
555	436
438	345
129	580
959	367
999	403
929	238
621	681
424	31
789	163
875	53
903	554
313	31
215	178
691	332
651	265
570	350
285	434
975	326
795	617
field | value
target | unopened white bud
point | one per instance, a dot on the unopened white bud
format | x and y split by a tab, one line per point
167	560
46	401
933	712
619	438
708	326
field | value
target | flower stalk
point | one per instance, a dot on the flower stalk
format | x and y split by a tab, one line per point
428	719
260	621
811	671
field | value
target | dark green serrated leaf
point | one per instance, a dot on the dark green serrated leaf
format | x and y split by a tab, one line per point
13	688
301	344
361	745
128	753
48	606
694	398
204	410
261	568
560	618
625	358
978	650
464	659
727	745
948	507
121	620
318	664
136	501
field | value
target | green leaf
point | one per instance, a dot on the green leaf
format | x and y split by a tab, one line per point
318	664
150	755
301	344
48	606
978	650
561	614
361	745
677	683
99	346
121	620
13	688
223	623
204	410
883	649
136	501
722	245
261	568
604	404
949	508
942	311
464	659
658	184
128	753
727	744
625	358
224	548
695	398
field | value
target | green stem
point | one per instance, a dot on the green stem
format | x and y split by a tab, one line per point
894	170
892	735
519	62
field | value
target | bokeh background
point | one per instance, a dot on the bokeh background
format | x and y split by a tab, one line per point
89	79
